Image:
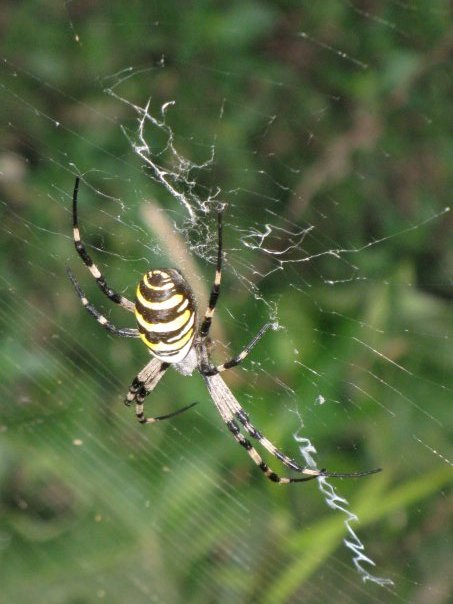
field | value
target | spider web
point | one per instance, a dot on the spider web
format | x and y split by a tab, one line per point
331	153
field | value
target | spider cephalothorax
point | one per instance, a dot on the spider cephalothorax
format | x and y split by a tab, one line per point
166	313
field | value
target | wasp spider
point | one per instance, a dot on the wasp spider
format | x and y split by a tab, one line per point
166	314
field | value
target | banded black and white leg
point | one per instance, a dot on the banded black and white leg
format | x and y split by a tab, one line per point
244	420
142	385
215	290
232	413
237	360
95	272
226	404
125	332
213	299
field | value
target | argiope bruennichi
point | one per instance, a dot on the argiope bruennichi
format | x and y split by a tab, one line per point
166	314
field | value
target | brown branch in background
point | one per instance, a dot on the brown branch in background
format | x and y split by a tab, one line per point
173	245
438	54
336	162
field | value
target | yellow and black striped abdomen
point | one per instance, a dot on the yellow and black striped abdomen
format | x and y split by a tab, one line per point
166	314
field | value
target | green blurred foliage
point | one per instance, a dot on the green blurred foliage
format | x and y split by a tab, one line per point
333	114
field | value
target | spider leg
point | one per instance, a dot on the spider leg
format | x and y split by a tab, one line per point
81	250
142	385
230	410
117	331
256	457
222	397
237	360
243	418
215	290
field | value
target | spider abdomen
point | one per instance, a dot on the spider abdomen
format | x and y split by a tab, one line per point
166	314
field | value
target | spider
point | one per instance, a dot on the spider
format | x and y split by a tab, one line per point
166	313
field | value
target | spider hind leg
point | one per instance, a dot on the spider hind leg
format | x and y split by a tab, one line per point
232	413
258	460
